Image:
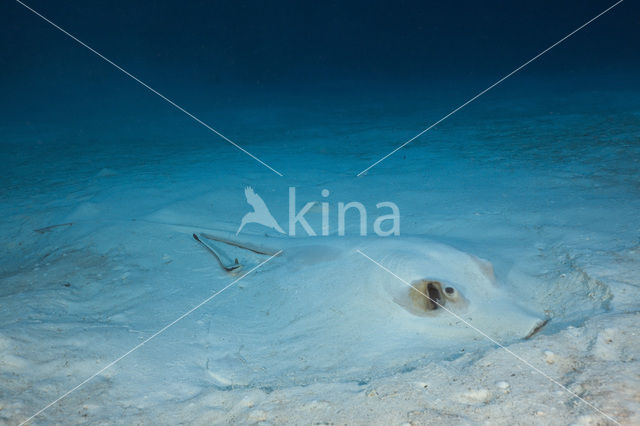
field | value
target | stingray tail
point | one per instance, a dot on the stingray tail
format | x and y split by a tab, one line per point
228	268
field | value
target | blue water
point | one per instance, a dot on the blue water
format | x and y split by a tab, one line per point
540	175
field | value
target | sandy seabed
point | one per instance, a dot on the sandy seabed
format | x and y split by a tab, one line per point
554	210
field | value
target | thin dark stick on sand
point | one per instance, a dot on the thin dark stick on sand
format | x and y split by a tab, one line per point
50	228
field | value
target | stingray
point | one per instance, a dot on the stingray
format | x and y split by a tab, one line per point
322	309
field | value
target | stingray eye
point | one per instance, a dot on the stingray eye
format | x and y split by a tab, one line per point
452	294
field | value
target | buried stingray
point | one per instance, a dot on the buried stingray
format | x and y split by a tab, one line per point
442	278
322	306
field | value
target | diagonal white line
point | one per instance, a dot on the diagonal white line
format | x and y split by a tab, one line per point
489	88
492	340
149	87
138	346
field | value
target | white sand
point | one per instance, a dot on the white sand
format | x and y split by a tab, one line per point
553	209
